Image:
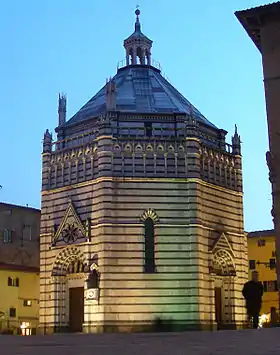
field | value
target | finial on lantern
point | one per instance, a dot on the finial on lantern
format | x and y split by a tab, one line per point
137	23
137	12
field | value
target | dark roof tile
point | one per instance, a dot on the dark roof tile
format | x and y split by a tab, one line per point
140	89
263	233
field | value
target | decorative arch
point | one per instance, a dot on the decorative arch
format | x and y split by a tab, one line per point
223	263
171	149
117	148
128	148
69	260
149	213
140	54
139	148
149	148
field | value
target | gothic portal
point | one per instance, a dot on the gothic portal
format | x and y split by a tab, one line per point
142	212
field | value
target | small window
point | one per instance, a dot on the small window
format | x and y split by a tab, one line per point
261	243
252	264
272	263
27	303
13	312
7	236
16	282
148	129
13	281
10	281
27	232
270	286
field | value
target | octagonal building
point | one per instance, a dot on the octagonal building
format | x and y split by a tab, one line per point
142	212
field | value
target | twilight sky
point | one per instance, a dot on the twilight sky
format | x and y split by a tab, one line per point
73	46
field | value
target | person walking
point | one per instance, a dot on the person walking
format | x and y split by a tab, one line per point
253	292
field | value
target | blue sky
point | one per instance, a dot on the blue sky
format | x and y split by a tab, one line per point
73	46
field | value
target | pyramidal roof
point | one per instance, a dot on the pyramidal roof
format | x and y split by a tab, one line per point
140	87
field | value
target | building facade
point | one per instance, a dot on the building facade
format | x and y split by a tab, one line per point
142	210
19	268
263	26
262	258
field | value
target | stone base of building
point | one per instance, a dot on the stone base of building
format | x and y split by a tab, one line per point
47	329
158	326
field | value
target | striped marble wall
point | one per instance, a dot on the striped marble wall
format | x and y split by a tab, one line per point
191	216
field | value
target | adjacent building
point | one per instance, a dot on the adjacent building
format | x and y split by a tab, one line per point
142	210
263	26
262	258
19	268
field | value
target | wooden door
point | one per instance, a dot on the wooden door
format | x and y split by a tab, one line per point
76	309
218	306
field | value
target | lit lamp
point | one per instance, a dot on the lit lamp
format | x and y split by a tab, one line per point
25	328
92	285
264	318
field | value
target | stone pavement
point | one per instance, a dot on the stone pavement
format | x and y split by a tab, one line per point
247	342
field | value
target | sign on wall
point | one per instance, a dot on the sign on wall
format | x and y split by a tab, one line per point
92	294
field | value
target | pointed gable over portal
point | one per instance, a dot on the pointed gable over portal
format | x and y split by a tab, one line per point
222	257
222	243
71	229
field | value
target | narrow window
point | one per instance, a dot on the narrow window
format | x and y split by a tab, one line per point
148	129
7	237
261	243
272	263
252	264
13	312
10	281
149	263
16	282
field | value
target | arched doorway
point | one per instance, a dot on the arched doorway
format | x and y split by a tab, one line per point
223	272
70	271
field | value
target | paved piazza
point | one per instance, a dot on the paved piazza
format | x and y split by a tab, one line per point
247	342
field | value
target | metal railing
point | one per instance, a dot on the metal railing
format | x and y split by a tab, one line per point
154	63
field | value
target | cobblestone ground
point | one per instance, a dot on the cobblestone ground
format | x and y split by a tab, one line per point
247	342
